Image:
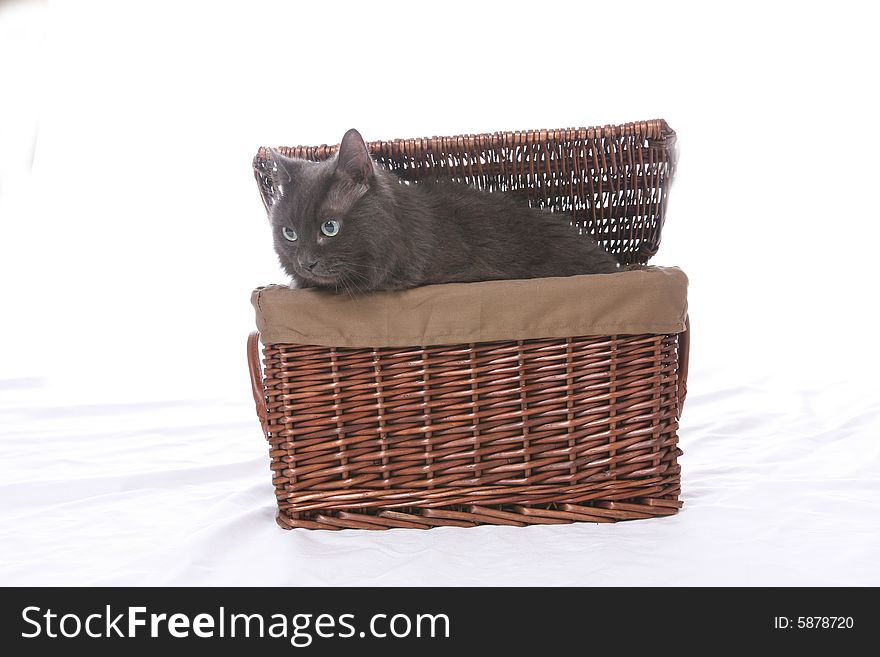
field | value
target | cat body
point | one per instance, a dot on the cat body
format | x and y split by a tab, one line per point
349	225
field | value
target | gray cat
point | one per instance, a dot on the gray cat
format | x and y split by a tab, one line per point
349	225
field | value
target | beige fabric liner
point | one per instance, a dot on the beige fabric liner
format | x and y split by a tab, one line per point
649	300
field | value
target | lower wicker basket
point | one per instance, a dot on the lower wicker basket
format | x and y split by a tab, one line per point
520	431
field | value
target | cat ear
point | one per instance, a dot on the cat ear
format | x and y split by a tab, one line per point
354	159
279	167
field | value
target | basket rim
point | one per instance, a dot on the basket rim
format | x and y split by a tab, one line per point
658	129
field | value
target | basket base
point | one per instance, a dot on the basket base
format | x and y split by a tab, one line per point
472	515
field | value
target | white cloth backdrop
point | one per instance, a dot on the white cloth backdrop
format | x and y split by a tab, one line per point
130	450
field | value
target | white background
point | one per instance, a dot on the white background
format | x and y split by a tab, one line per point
131	235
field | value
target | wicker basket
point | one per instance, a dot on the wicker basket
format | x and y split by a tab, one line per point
536	430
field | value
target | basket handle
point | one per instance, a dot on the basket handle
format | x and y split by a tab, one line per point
253	354
684	348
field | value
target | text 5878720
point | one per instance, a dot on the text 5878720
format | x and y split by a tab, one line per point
813	622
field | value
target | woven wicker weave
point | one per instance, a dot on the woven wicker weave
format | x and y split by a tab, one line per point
542	431
613	180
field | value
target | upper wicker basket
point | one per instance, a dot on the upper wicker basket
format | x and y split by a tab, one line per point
613	180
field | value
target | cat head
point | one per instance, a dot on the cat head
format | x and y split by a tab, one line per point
331	220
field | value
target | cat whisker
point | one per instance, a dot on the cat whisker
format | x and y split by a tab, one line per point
358	265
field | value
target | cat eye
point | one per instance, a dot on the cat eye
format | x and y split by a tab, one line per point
289	233
330	228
